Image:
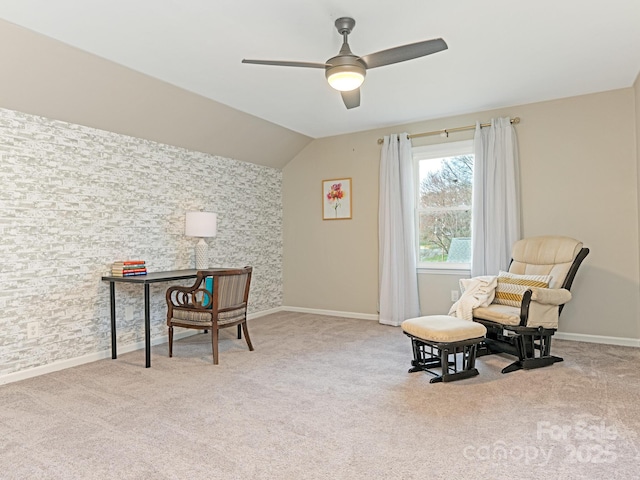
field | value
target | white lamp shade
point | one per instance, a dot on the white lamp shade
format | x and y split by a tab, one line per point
346	81
200	224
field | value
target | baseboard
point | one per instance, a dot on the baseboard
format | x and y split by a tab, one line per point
580	337
331	313
93	357
263	313
576	337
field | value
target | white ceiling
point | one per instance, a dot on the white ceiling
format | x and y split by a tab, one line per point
501	52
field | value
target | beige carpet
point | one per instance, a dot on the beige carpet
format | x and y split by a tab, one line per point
323	398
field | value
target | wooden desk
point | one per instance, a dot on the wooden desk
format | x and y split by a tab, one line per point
154	277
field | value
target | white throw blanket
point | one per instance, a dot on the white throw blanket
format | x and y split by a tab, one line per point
476	292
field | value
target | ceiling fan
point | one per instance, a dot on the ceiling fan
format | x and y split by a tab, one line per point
345	72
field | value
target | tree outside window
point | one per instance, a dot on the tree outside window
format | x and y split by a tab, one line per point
444	209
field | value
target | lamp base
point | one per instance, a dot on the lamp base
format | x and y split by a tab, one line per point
202	255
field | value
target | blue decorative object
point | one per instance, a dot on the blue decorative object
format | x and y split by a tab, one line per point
208	285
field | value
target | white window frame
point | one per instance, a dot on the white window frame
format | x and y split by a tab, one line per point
427	152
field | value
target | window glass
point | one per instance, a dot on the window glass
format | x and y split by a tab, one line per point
443	217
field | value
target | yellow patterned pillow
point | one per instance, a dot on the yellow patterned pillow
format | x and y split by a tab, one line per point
511	287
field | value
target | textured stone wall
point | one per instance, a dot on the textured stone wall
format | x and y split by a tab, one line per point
74	199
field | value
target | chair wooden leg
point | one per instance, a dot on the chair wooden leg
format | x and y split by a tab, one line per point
246	334
214	343
170	342
239	332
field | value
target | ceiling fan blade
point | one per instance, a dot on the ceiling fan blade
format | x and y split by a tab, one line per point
351	98
286	64
403	53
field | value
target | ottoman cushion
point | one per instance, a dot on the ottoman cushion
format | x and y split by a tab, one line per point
443	328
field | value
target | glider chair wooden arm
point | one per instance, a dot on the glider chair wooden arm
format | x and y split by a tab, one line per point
529	298
217	299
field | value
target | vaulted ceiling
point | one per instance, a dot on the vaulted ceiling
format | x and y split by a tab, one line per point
501	52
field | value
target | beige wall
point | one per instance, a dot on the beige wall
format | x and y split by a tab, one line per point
579	178
45	77
636	87
332	264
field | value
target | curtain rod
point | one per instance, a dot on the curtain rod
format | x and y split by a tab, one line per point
445	132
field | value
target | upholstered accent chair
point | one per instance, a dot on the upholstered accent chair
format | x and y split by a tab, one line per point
218	299
529	299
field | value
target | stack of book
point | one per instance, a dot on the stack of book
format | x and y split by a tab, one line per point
128	268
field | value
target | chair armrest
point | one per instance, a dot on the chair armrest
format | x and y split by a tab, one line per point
550	296
544	304
189	297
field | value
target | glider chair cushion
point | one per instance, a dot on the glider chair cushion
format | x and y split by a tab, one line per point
218	299
524	328
547	255
543	310
438	341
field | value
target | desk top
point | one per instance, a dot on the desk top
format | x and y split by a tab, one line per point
153	277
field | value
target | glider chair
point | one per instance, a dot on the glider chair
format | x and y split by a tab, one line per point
528	300
217	299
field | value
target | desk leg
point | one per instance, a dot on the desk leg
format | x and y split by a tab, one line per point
147	327
112	295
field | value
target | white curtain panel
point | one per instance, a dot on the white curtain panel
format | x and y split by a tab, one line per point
398	276
496	197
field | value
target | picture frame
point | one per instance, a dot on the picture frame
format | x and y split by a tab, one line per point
336	199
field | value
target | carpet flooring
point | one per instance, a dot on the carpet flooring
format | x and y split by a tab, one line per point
323	398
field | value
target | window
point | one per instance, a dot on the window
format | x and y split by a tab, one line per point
444	175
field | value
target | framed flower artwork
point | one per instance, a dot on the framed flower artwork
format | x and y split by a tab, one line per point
336	199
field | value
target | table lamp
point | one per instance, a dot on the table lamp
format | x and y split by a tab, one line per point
201	224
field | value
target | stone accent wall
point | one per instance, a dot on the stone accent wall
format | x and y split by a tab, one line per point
74	199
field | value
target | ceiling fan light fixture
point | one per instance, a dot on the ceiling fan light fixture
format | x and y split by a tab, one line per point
345	72
345	78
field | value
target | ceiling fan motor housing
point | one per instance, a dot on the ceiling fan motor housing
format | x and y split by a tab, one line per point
345	66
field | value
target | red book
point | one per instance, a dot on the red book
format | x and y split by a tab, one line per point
129	262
